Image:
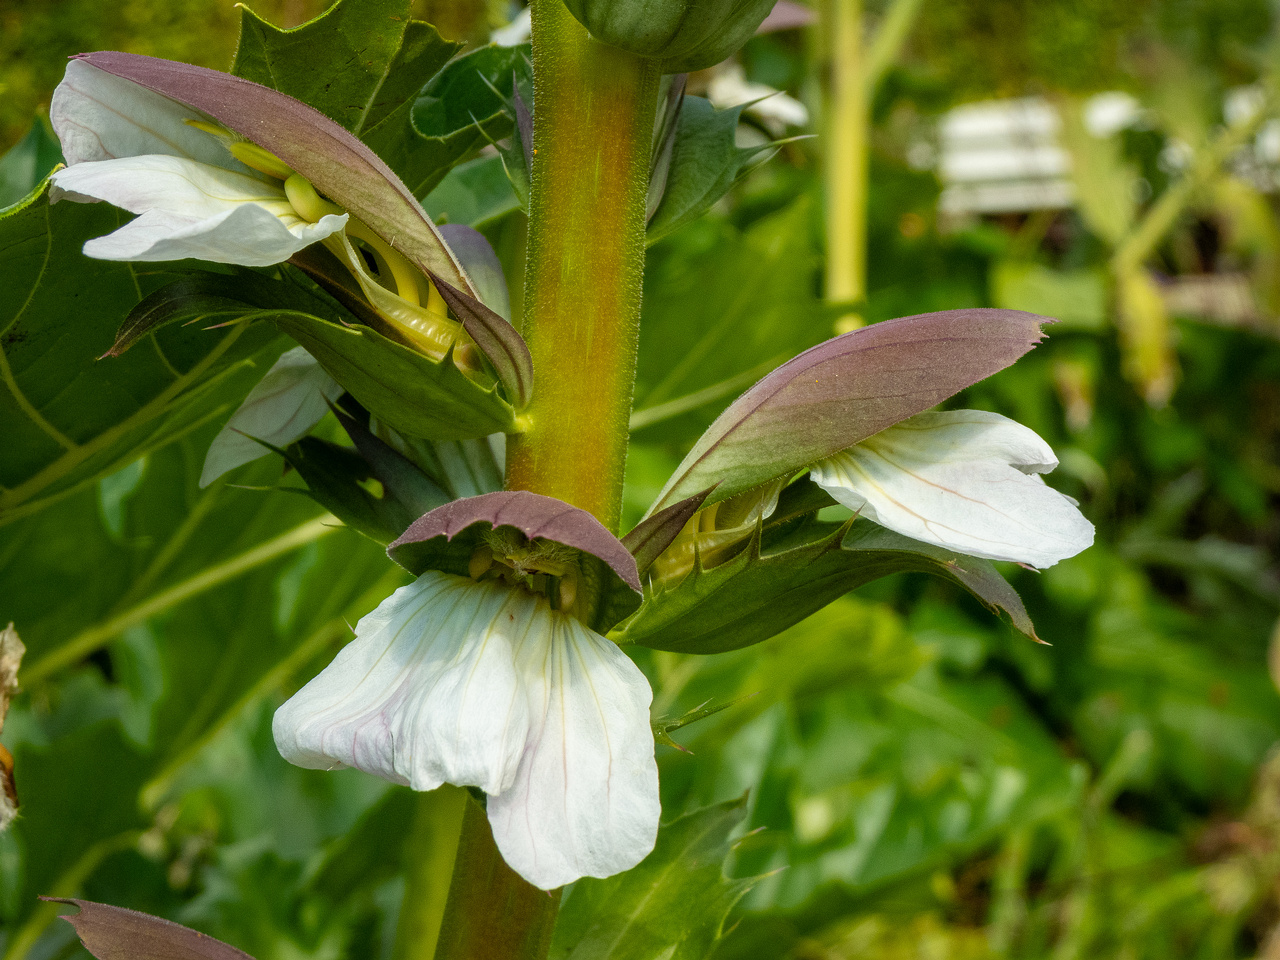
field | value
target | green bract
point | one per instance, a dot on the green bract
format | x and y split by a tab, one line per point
684	34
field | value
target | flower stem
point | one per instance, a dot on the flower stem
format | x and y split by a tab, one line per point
594	111
492	914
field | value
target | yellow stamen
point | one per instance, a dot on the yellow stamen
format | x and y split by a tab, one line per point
254	156
402	271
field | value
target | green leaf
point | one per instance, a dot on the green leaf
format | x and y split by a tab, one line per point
474	193
411	393
762	591
459	111
339	479
672	905
68	417
28	162
393	89
704	163
361	62
211	296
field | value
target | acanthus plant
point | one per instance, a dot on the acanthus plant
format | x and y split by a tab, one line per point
503	666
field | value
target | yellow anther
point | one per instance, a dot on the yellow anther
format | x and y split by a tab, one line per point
310	206
254	156
568	590
480	562
213	129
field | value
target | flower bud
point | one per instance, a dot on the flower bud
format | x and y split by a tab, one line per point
684	34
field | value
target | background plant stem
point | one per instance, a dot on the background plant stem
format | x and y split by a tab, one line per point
848	119
594	111
432	850
492	914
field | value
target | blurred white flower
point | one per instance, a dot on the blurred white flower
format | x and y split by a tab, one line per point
729	87
143	152
483	684
964	479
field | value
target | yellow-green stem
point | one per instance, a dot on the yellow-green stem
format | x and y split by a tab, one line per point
431	851
594	110
848	118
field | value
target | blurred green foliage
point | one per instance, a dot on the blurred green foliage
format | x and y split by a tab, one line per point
919	781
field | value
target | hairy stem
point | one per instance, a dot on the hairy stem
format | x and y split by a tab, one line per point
594	112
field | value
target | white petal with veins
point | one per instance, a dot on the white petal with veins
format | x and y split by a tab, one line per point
585	799
963	479
191	209
427	693
291	399
98	116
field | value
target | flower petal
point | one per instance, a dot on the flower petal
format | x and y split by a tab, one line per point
585	800
291	399
192	209
98	116
960	479
427	693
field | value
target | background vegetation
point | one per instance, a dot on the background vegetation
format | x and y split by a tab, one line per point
918	780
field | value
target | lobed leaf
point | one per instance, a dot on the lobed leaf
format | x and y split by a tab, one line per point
703	164
361	63
845	390
68	417
456	113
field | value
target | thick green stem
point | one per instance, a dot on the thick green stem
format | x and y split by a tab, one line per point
848	119
492	914
594	112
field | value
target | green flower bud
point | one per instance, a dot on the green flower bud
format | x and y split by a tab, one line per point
684	34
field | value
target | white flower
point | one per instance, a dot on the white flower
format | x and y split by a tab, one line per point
963	479
143	152
483	684
291	399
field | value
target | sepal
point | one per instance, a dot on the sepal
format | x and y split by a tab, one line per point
415	394
446	538
767	587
